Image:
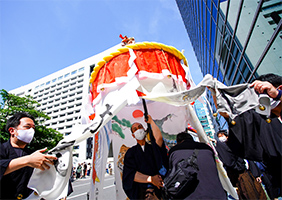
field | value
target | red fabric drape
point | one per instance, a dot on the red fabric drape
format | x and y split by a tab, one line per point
149	60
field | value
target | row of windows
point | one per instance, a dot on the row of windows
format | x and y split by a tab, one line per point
51	95
63	109
63	128
61	98
63	121
63	103
60	77
73	82
68	127
67	83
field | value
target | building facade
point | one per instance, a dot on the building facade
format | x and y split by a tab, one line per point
61	96
235	41
205	119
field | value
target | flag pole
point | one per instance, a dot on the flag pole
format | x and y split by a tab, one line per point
146	117
156	151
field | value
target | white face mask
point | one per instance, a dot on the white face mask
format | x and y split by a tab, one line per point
222	139
140	134
26	135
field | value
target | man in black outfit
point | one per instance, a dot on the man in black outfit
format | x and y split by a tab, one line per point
233	164
209	186
141	178
256	137
17	161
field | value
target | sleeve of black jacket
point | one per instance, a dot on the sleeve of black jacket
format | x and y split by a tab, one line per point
4	160
129	170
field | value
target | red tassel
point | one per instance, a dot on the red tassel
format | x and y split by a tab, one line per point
140	94
120	35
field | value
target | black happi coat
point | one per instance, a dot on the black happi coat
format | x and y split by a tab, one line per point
229	159
142	161
15	183
233	164
255	139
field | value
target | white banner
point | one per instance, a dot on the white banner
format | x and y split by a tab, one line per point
170	119
121	103
101	144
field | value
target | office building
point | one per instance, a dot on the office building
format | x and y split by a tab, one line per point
61	96
235	41
205	119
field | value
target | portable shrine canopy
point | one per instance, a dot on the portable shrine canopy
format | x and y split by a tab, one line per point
132	72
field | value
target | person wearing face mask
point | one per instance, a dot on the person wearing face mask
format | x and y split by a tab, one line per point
17	161
141	178
271	84
239	170
256	137
233	164
262	138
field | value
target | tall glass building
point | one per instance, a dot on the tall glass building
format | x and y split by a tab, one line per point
202	112
235	41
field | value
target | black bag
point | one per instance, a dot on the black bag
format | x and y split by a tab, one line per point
182	180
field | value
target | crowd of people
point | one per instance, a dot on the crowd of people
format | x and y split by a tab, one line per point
81	171
249	150
109	169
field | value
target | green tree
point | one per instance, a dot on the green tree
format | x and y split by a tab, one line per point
10	104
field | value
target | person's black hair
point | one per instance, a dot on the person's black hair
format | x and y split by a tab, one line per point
222	131
14	121
183	136
274	79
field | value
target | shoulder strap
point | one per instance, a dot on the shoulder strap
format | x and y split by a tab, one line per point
196	151
192	160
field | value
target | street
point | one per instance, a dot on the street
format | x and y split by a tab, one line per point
81	187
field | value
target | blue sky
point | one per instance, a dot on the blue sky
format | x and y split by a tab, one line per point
39	37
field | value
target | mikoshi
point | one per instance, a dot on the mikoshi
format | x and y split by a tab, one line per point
123	77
